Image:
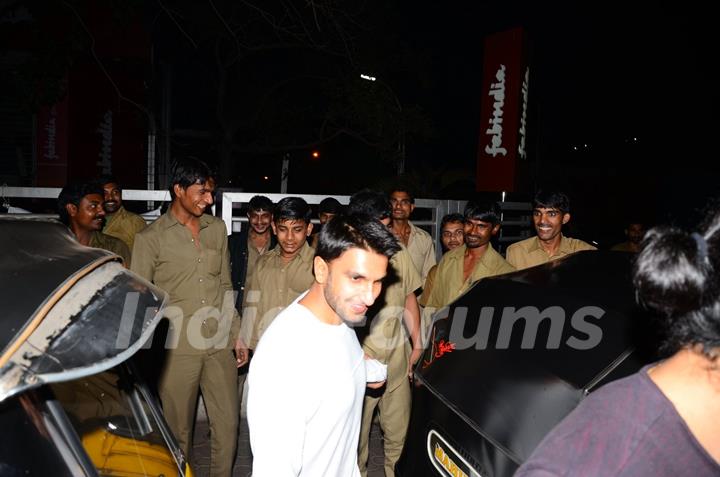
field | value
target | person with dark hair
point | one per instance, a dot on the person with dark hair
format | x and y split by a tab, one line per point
185	252
452	236
250	243
80	206
327	209
308	374
119	222
634	232
663	420
419	243
384	339
551	210
281	274
468	263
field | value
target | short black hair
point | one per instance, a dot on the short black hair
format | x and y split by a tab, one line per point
292	208
370	202
73	193
450	218
552	200
260	202
107	179
485	211
403	188
187	171
677	274
355	230
329	205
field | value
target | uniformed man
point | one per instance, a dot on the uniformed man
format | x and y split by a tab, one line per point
119	222
468	263
419	243
551	210
452	236
385	340
80	206
283	273
185	253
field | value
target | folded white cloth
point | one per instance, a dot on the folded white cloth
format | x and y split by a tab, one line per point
375	371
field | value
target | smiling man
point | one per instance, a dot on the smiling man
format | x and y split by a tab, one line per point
119	222
185	253
551	210
80	206
283	273
468	263
308	375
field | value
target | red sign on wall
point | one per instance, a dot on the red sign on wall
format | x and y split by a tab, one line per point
502	111
52	144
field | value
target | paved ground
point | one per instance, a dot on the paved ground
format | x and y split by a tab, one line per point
243	464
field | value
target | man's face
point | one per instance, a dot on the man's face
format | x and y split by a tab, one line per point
635	233
291	235
353	283
402	206
453	235
325	216
260	220
478	232
89	213
548	222
113	197
196	198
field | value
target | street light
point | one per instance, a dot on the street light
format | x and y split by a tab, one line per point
401	132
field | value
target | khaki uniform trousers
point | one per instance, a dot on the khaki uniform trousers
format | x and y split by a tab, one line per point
394	416
215	375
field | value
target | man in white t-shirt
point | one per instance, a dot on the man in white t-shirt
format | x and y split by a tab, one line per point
308	375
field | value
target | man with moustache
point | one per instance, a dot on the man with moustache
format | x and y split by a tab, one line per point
283	273
308	375
185	253
80	206
468	263
551	210
419	243
119	223
452	235
635	231
252	242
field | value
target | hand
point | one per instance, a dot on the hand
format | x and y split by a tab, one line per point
241	353
414	357
376	385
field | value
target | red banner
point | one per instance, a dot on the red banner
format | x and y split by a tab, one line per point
52	144
502	111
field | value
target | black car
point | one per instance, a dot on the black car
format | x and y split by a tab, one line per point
514	355
72	401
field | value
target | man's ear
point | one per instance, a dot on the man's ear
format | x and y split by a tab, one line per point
177	189
309	229
274	229
495	229
321	269
566	218
71	209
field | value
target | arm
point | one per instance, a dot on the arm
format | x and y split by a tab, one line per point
411	318
144	256
241	351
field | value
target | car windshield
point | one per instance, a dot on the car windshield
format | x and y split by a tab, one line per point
116	424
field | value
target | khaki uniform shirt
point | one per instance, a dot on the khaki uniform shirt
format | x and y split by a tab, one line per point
273	286
623	247
111	244
422	250
253	255
427	288
202	306
124	225
449	283
386	340
528	253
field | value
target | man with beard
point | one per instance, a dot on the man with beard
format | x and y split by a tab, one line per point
634	232
185	253
119	223
252	242
80	206
468	263
551	210
419	243
308	375
283	273
452	235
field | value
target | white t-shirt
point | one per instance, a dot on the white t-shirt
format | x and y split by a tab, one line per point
305	394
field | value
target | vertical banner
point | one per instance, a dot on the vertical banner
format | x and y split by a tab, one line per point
51	142
503	111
